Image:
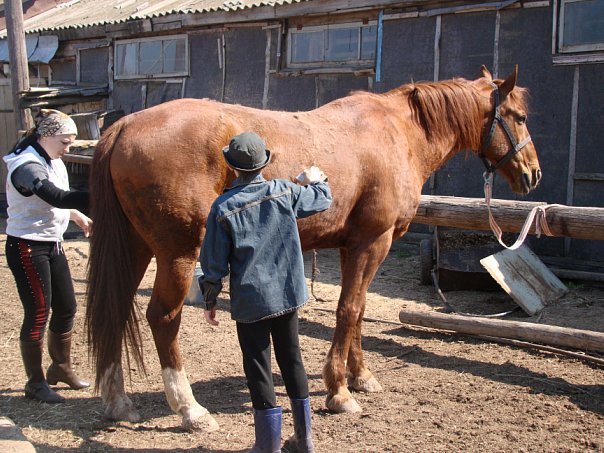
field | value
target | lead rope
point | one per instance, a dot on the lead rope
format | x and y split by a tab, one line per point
314	273
538	214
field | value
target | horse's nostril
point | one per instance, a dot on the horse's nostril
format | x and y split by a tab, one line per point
538	175
527	180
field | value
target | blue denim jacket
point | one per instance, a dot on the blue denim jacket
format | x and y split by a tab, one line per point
252	230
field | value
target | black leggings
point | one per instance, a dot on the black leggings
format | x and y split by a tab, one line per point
255	343
43	279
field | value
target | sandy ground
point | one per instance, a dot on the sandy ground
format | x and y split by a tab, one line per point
442	391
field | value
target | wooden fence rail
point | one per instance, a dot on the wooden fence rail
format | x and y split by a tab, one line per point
472	214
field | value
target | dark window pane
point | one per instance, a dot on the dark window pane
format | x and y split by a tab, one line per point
342	44
126	59
63	71
93	65
583	23
307	47
174	55
150	57
368	42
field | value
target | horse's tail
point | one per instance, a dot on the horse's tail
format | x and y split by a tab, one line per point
111	312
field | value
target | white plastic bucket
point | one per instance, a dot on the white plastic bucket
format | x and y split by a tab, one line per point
194	297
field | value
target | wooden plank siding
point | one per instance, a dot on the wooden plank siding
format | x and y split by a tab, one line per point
8	132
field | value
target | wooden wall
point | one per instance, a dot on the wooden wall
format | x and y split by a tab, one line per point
8	131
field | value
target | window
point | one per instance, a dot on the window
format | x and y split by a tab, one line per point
332	45
92	63
63	71
581	25
151	57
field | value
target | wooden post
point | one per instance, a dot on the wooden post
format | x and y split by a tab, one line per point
472	214
19	72
538	333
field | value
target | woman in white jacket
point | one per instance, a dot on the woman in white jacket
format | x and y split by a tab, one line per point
40	206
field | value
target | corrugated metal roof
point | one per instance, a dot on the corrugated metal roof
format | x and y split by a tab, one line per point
86	13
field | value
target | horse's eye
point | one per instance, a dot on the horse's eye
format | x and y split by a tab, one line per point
522	119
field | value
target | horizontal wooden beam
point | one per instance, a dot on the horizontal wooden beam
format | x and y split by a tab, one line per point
588	176
471	214
77	159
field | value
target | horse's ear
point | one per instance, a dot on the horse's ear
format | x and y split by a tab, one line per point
508	84
485	72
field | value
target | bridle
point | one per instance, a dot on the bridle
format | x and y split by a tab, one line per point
537	214
516	146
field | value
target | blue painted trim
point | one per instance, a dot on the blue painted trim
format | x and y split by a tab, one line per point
378	57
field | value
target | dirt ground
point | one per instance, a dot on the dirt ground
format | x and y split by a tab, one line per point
442	391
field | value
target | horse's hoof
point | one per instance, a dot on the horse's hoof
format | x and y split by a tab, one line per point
360	384
202	423
342	404
124	413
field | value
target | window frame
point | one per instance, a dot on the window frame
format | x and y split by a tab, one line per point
356	63
560	48
162	75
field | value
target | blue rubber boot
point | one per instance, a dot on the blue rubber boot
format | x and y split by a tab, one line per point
267	426
301	441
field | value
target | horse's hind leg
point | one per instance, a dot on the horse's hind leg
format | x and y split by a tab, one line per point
359	265
113	394
164	314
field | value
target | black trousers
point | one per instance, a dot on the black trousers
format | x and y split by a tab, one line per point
255	343
44	281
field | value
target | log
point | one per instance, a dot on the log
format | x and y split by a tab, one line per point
471	214
77	159
550	335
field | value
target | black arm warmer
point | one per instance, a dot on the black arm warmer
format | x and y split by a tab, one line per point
63	199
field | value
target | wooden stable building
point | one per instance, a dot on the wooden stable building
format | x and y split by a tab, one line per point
101	56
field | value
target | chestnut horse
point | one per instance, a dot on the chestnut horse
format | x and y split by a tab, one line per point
156	173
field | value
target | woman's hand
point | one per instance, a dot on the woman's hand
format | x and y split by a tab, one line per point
81	220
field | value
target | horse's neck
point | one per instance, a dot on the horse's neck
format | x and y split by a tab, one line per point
441	134
435	155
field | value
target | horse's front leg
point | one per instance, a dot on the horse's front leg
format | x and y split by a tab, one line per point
359	377
164	314
359	266
113	394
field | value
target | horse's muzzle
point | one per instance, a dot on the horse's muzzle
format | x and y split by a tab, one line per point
531	180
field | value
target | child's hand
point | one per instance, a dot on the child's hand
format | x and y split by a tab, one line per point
210	316
310	175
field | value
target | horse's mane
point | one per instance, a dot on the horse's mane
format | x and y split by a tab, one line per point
451	107
446	108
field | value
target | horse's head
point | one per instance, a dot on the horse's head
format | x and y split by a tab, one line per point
506	144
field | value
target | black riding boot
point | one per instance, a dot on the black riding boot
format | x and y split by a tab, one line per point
37	388
59	347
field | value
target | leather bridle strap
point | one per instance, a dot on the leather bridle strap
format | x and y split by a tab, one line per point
498	119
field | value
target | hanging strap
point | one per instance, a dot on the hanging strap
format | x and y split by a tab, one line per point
538	214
